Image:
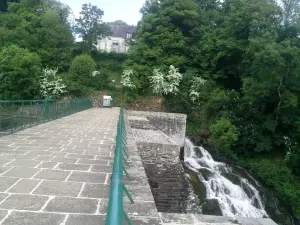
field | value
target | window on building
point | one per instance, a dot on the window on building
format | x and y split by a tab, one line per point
129	35
115	47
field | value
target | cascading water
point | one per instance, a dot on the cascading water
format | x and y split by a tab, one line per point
234	199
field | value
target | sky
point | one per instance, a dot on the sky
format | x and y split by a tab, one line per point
126	10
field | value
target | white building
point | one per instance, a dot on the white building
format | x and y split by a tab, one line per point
117	42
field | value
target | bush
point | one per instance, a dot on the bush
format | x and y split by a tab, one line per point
223	135
278	176
81	69
19	73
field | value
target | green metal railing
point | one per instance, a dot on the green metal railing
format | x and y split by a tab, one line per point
115	211
19	115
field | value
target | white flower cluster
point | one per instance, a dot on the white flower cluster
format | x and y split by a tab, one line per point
51	86
166	84
126	79
194	91
291	147
95	73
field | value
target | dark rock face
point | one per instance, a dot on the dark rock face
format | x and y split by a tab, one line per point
198	152
206	173
211	207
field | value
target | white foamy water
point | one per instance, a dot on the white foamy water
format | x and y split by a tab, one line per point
232	198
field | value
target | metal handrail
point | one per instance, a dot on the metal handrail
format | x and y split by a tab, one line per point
20	114
115	211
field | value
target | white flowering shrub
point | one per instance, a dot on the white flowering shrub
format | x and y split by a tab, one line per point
198	82
158	82
166	84
291	147
126	79
95	73
51	86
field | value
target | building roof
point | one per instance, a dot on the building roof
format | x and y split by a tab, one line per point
122	30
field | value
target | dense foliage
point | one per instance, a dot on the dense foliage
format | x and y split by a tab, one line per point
240	61
37	34
19	73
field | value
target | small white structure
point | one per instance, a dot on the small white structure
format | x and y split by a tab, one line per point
117	41
107	101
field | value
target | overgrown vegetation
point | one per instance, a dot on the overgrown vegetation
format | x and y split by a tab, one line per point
240	61
39	56
233	66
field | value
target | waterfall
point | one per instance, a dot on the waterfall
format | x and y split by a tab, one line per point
239	198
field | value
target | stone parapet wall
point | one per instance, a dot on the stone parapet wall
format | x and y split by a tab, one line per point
170	187
172	124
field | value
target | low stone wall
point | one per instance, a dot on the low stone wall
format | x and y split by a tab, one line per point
170	188
172	124
158	137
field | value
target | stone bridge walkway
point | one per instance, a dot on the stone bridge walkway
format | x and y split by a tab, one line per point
57	173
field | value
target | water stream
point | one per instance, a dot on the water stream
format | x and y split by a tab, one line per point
235	195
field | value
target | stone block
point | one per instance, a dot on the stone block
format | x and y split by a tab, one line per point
24	162
93	162
144	221
101	168
47	165
24	202
58	188
44	158
22	172
24	186
81	156
52	175
37	153
79	167
71	150
65	160
7	182
3	169
85	219
3	213
4	161
60	154
87	177
145	209
72	205
2	196
176	218
31	218
95	191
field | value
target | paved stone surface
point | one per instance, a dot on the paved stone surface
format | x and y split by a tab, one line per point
58	188
24	186
58	172
72	205
24	202
31	218
85	220
193	219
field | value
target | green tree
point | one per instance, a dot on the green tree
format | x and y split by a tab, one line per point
117	22
40	26
90	27
162	38
81	75
20	72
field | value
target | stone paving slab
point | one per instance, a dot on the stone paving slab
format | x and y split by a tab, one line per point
193	219
57	173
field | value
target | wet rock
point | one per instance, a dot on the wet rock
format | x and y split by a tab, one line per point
250	193
233	178
198	152
206	173
212	207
